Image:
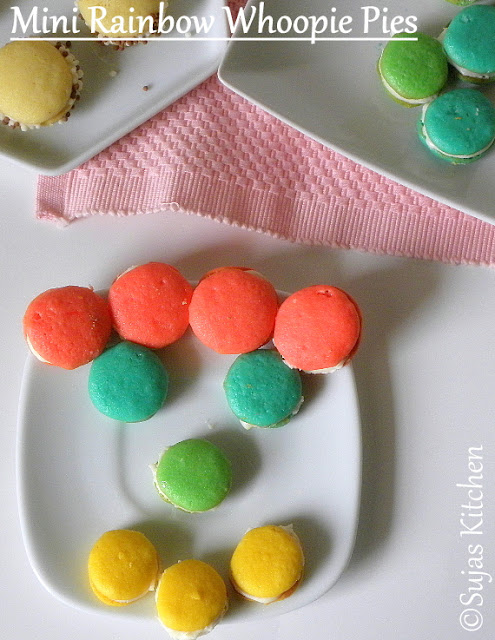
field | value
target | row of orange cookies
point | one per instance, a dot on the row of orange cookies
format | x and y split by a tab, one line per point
40	82
191	596
232	310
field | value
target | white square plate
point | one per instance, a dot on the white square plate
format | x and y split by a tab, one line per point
112	105
81	474
331	91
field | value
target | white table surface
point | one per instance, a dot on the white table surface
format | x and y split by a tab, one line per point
426	381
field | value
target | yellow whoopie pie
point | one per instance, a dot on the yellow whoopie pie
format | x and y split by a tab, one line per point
123	567
267	564
116	14
39	83
191	598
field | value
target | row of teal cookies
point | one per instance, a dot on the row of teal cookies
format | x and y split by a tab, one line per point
458	124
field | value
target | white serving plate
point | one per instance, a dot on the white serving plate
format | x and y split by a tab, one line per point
331	91
112	106
81	474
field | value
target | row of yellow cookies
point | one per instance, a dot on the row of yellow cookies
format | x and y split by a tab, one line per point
40	82
191	596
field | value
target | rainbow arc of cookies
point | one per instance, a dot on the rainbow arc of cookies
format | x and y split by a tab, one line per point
232	310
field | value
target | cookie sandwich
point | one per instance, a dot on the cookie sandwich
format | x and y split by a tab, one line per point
267	564
191	598
233	310
40	83
413	69
318	329
459	126
261	390
150	304
469	42
68	326
128	382
123	566
193	475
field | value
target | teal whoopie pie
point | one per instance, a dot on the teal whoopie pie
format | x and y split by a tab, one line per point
459	126
128	382
261	390
415	70
469	42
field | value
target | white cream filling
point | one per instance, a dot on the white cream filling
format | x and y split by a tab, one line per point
329	369
150	588
126	271
23	127
34	352
255	599
191	635
248	426
325	370
434	147
415	101
471	74
252	272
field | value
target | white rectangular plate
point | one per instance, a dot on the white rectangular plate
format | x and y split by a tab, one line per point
81	474
331	91
113	105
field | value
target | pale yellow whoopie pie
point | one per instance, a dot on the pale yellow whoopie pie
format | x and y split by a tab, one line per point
123	566
39	83
267	564
121	19
191	599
